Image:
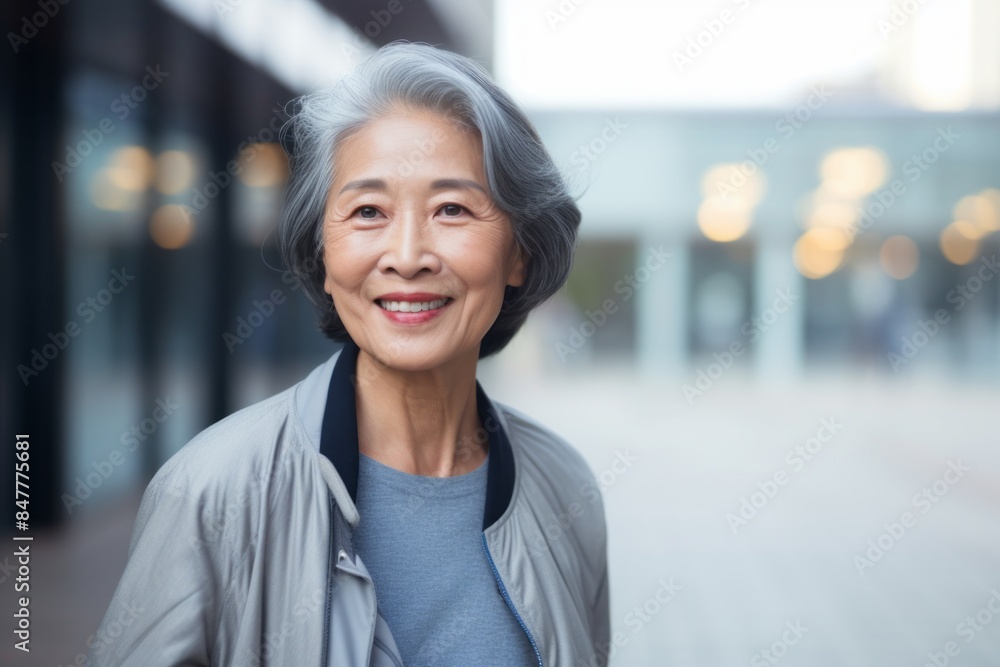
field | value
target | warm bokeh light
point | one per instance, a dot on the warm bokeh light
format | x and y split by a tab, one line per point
131	168
819	252
174	171
968	230
829	211
899	257
959	242
121	185
743	184
123	178
171	227
721	221
263	166
852	173
992	195
731	190
982	210
107	194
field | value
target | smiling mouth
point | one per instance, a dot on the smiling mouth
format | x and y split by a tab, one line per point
412	306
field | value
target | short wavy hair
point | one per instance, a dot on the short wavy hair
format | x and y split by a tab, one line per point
522	179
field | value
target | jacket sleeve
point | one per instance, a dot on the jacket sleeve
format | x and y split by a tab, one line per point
164	610
600	616
600	612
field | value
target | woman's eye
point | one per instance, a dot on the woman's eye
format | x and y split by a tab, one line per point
452	210
367	212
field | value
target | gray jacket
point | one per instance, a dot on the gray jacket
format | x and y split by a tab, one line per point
241	553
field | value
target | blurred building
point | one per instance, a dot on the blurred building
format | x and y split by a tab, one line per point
866	224
826	226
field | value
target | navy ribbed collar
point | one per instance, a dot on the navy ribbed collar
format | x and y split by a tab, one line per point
339	437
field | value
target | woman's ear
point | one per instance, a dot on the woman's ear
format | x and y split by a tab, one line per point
517	269
327	281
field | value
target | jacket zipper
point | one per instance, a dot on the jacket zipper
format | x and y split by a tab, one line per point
503	591
385	649
324	659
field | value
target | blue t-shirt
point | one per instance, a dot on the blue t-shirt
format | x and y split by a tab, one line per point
421	540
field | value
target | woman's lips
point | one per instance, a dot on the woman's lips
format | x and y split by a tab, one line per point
428	310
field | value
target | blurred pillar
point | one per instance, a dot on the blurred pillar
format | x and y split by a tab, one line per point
778	285
222	246
661	307
152	325
33	259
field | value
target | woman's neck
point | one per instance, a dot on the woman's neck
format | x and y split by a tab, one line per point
420	422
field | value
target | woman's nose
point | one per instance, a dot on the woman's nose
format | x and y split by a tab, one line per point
409	246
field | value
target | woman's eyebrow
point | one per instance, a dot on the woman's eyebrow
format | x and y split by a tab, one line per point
439	184
364	184
456	184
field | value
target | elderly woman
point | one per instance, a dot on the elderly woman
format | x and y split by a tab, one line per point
385	510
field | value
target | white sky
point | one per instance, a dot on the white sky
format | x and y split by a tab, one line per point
624	53
620	53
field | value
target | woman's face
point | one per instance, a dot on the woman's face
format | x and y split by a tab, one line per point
417	255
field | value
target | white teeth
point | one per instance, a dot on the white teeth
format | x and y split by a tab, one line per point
412	306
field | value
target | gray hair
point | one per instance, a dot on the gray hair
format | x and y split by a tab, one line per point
521	177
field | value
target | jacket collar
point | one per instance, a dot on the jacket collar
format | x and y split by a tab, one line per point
339	436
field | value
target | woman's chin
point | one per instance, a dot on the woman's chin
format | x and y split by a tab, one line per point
410	354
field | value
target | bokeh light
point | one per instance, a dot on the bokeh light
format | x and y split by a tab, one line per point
174	171
731	191
819	252
852	173
263	165
959	242
899	256
171	227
